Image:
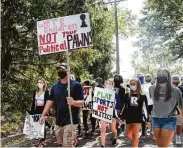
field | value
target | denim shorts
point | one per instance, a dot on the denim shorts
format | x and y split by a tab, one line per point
165	123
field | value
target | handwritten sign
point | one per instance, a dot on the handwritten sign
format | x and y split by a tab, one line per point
87	92
103	104
59	34
32	128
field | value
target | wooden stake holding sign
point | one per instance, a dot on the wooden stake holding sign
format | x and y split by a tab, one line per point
64	34
68	86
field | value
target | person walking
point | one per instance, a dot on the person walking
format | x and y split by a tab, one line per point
176	82
165	103
40	97
109	85
64	131
133	109
86	111
98	83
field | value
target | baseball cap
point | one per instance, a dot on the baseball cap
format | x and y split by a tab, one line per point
62	66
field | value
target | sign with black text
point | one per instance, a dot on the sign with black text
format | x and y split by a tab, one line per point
103	104
68	32
32	128
87	92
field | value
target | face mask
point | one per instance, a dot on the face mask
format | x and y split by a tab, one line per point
108	86
134	87
39	85
96	83
62	74
162	79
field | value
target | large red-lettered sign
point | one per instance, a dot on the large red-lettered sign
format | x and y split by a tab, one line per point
59	34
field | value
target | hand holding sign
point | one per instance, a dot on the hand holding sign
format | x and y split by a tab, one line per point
42	119
70	101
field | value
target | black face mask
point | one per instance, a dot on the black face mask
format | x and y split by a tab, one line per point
162	79
62	74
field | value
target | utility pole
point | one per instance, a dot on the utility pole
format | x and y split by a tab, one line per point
116	32
117	39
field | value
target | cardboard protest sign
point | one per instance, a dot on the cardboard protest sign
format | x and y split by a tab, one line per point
103	104
32	128
59	34
87	92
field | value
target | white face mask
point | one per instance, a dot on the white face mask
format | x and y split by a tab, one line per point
133	87
108	86
40	85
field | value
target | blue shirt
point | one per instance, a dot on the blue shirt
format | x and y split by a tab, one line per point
117	102
59	94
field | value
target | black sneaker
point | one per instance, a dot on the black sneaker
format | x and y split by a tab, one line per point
102	145
114	142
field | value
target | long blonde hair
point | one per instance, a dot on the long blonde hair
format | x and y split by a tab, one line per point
45	85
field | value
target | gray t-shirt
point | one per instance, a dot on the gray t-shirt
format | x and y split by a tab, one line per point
165	109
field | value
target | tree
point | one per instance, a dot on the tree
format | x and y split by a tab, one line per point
21	64
161	26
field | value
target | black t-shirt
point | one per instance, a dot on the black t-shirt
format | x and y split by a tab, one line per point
58	95
134	108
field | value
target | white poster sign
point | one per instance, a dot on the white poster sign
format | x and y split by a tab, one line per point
87	92
32	128
103	104
59	34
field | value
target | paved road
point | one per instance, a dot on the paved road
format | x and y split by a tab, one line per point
94	141
123	141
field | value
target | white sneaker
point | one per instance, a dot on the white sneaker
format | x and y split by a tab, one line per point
178	140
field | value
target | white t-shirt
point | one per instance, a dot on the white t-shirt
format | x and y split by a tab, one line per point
39	99
145	90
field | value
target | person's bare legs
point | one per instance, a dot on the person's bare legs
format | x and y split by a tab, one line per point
166	137
129	128
103	132
113	129
135	134
157	134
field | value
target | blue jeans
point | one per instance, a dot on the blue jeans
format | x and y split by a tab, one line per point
165	123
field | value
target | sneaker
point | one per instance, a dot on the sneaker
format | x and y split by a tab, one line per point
114	142
178	140
102	145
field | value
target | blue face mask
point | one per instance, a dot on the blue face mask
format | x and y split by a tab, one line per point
162	79
40	85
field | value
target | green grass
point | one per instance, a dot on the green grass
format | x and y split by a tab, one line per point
13	142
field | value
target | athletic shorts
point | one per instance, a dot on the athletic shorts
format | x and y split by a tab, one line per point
65	135
165	123
179	120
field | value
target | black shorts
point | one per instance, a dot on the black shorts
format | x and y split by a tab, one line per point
39	109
